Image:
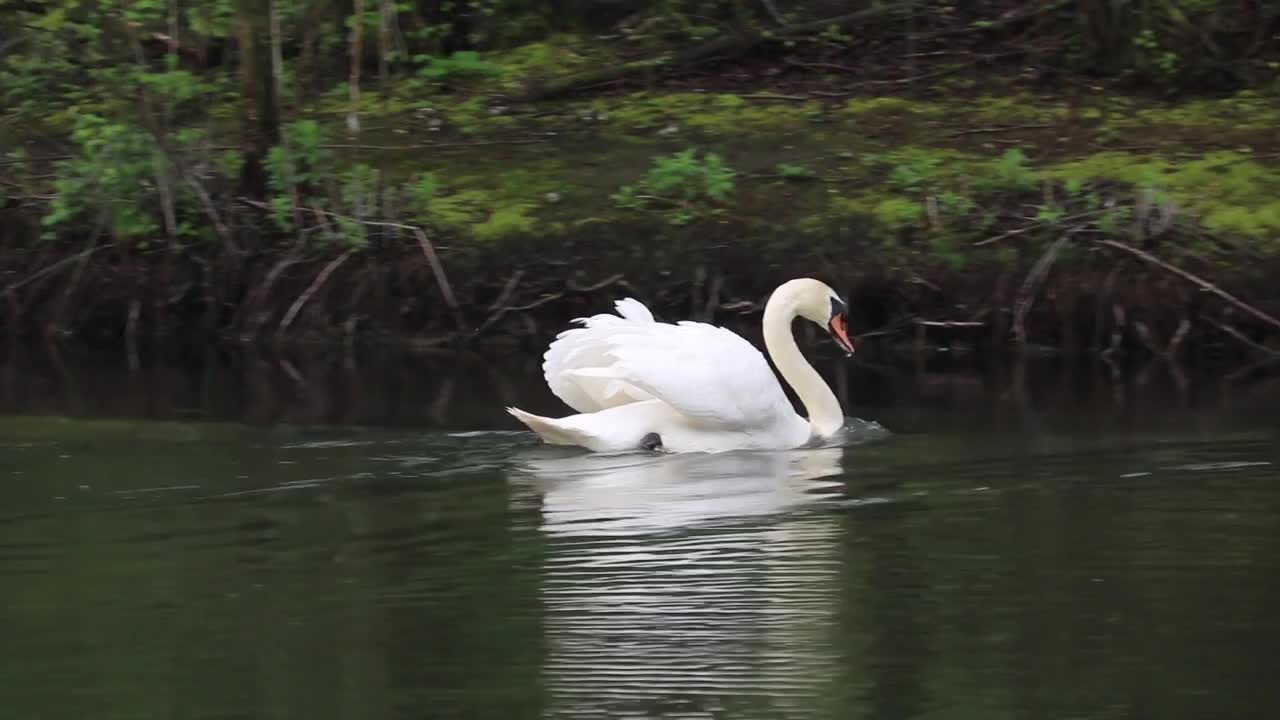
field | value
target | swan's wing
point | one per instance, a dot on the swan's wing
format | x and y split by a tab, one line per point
710	375
576	365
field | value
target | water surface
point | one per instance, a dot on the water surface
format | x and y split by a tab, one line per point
1078	550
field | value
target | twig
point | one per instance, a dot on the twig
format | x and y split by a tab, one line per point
615	279
1199	282
775	96
950	323
315	285
432	146
552	297
998	129
820	66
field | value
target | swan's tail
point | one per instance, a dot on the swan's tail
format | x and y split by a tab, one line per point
551	430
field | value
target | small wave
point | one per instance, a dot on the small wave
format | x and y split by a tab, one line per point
322	444
1215	466
170	488
487	433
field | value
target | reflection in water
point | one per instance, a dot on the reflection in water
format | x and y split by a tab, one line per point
687	583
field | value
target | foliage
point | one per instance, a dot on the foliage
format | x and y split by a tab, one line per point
685	185
914	174
1009	173
110	180
458	66
789	171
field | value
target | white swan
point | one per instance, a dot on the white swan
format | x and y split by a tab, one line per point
691	387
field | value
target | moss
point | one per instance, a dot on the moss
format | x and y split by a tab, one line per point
1243	111
890	106
474	115
1012	108
462	209
505	222
1228	191
501	198
898	213
710	115
560	54
1121	166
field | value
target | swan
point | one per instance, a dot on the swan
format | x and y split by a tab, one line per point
691	387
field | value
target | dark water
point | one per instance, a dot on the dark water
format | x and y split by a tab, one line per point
226	537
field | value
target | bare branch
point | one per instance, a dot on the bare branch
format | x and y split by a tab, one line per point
1195	280
315	286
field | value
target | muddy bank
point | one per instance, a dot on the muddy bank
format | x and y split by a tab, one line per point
1082	224
288	388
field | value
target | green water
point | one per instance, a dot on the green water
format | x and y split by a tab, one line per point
1113	557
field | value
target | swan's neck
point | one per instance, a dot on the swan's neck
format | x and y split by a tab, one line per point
820	404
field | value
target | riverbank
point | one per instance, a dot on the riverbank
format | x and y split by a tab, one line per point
989	212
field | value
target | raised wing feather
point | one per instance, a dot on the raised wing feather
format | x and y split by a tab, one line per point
710	375
577	369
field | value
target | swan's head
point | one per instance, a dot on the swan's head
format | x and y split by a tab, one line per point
816	302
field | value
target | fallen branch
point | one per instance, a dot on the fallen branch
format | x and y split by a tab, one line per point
732	44
1233	332
224	233
50	269
997	129
259	294
507	289
1011	18
438	270
1040	224
433	260
1027	293
1195	280
498	307
549	298
433	146
315	285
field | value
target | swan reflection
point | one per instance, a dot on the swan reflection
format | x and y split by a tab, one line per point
673	581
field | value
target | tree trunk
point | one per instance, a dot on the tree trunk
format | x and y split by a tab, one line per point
357	51
277	83
260	115
384	42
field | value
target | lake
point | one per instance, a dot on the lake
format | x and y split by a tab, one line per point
217	534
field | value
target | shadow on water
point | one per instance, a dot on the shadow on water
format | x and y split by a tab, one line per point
467	391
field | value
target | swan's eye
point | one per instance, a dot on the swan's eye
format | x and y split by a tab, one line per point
837	307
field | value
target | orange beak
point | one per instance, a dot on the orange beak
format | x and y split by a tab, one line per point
840	333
